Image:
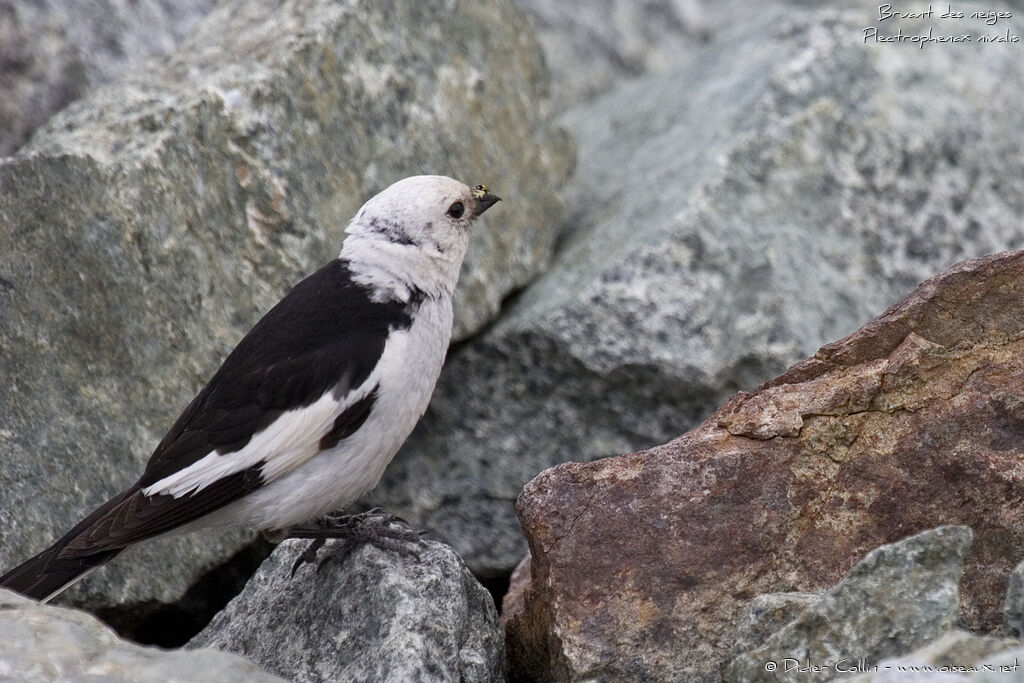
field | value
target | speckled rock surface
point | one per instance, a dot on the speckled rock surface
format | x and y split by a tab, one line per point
954	656
871	439
150	224
768	613
372	616
53	52
1013	606
45	644
900	597
593	46
726	219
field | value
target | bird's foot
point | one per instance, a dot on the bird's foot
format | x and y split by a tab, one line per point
376	527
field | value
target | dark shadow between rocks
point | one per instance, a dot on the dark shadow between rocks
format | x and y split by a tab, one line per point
174	624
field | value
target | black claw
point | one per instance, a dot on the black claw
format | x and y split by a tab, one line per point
308	555
339	552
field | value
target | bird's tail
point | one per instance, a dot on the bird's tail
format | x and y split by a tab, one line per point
47	574
66	561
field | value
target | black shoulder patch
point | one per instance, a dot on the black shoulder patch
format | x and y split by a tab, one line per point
327	333
346	424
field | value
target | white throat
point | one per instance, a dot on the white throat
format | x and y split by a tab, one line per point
397	271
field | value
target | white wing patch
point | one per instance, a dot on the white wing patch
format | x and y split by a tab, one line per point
287	442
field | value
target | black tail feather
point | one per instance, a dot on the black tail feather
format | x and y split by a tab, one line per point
47	574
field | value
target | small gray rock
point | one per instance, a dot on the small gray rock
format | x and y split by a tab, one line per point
899	597
948	657
42	643
768	613
1013	607
373	616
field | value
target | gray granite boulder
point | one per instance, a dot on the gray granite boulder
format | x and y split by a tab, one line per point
52	52
901	596
150	224
726	219
593	46
42	644
372	615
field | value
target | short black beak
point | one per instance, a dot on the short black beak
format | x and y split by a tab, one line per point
486	201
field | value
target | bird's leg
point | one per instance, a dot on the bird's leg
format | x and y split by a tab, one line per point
376	527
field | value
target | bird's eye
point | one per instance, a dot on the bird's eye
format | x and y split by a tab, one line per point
456	210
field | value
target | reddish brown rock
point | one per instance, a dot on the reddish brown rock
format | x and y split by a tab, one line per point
642	563
512	602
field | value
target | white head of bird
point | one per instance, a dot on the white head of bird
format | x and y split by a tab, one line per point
414	234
